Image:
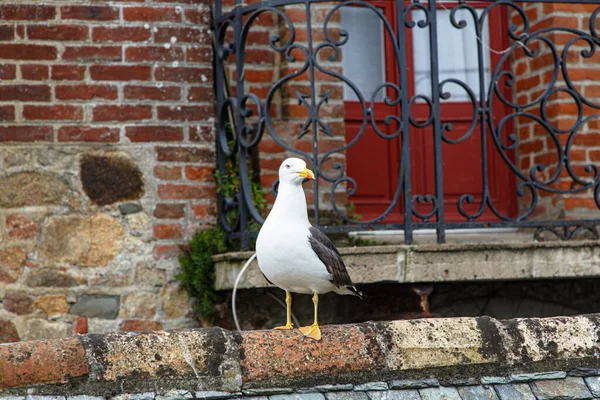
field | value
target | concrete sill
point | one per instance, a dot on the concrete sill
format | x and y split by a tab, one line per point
442	263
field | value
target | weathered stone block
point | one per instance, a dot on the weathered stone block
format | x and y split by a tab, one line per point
8	332
175	301
440	393
477	393
365	387
12	262
515	391
18	303
568	389
34	189
79	240
593	384
110	178
48	277
20	227
146	276
138	305
395	395
53	304
347	396
129	208
413	384
42	329
298	396
435	343
97	306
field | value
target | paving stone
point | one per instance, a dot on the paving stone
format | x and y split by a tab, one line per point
493	380
365	387
298	396
12	398
334	388
395	395
515	391
210	394
30	397
412	384
175	395
347	396
84	397
593	384
135	396
440	393
566	389
477	393
537	376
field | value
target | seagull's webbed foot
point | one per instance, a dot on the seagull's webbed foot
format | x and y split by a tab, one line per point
286	326
313	331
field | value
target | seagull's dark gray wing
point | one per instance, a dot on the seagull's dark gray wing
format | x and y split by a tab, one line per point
329	255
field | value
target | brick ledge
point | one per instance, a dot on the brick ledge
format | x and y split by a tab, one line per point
451	349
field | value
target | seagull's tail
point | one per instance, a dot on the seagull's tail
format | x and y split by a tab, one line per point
354	291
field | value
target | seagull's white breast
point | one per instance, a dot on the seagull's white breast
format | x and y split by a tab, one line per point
287	259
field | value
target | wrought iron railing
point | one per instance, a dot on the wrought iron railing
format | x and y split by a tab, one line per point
244	118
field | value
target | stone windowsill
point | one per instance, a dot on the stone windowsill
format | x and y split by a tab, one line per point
442	263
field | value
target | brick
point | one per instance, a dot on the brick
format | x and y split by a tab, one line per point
34	72
92	53
58	32
27	12
167	231
577	202
167	173
201	94
68	72
91	13
154	133
197	17
27	52
67	355
185	154
7	32
184	74
85	92
87	134
80	325
185	113
152	93
55	112
169	211
203	134
24	133
151	14
121	113
199	173
7	113
135	325
120	72
166	251
25	92
8	71
154	53
120	34
172	191
182	35
204	210
199	54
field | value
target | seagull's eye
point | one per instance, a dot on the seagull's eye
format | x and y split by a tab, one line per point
287	166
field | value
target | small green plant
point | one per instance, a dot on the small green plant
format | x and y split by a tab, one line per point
197	274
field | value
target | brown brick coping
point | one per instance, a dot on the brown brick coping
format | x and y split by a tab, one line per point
220	360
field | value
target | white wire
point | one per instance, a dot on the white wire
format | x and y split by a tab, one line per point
237	281
235	285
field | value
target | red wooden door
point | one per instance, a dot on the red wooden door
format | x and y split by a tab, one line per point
373	161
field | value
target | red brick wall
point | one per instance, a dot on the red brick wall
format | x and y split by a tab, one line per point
129	77
533	77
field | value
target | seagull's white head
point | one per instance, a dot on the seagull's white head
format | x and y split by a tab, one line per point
294	171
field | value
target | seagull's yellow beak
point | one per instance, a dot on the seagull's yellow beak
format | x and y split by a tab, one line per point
307	173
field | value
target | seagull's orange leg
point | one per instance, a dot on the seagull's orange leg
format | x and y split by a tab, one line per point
313	331
288	302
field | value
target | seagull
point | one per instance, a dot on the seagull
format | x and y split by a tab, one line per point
294	255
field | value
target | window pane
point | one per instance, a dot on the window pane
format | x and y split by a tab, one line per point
457	54
363	56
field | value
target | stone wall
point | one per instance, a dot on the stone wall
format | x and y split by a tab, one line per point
106	153
451	359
